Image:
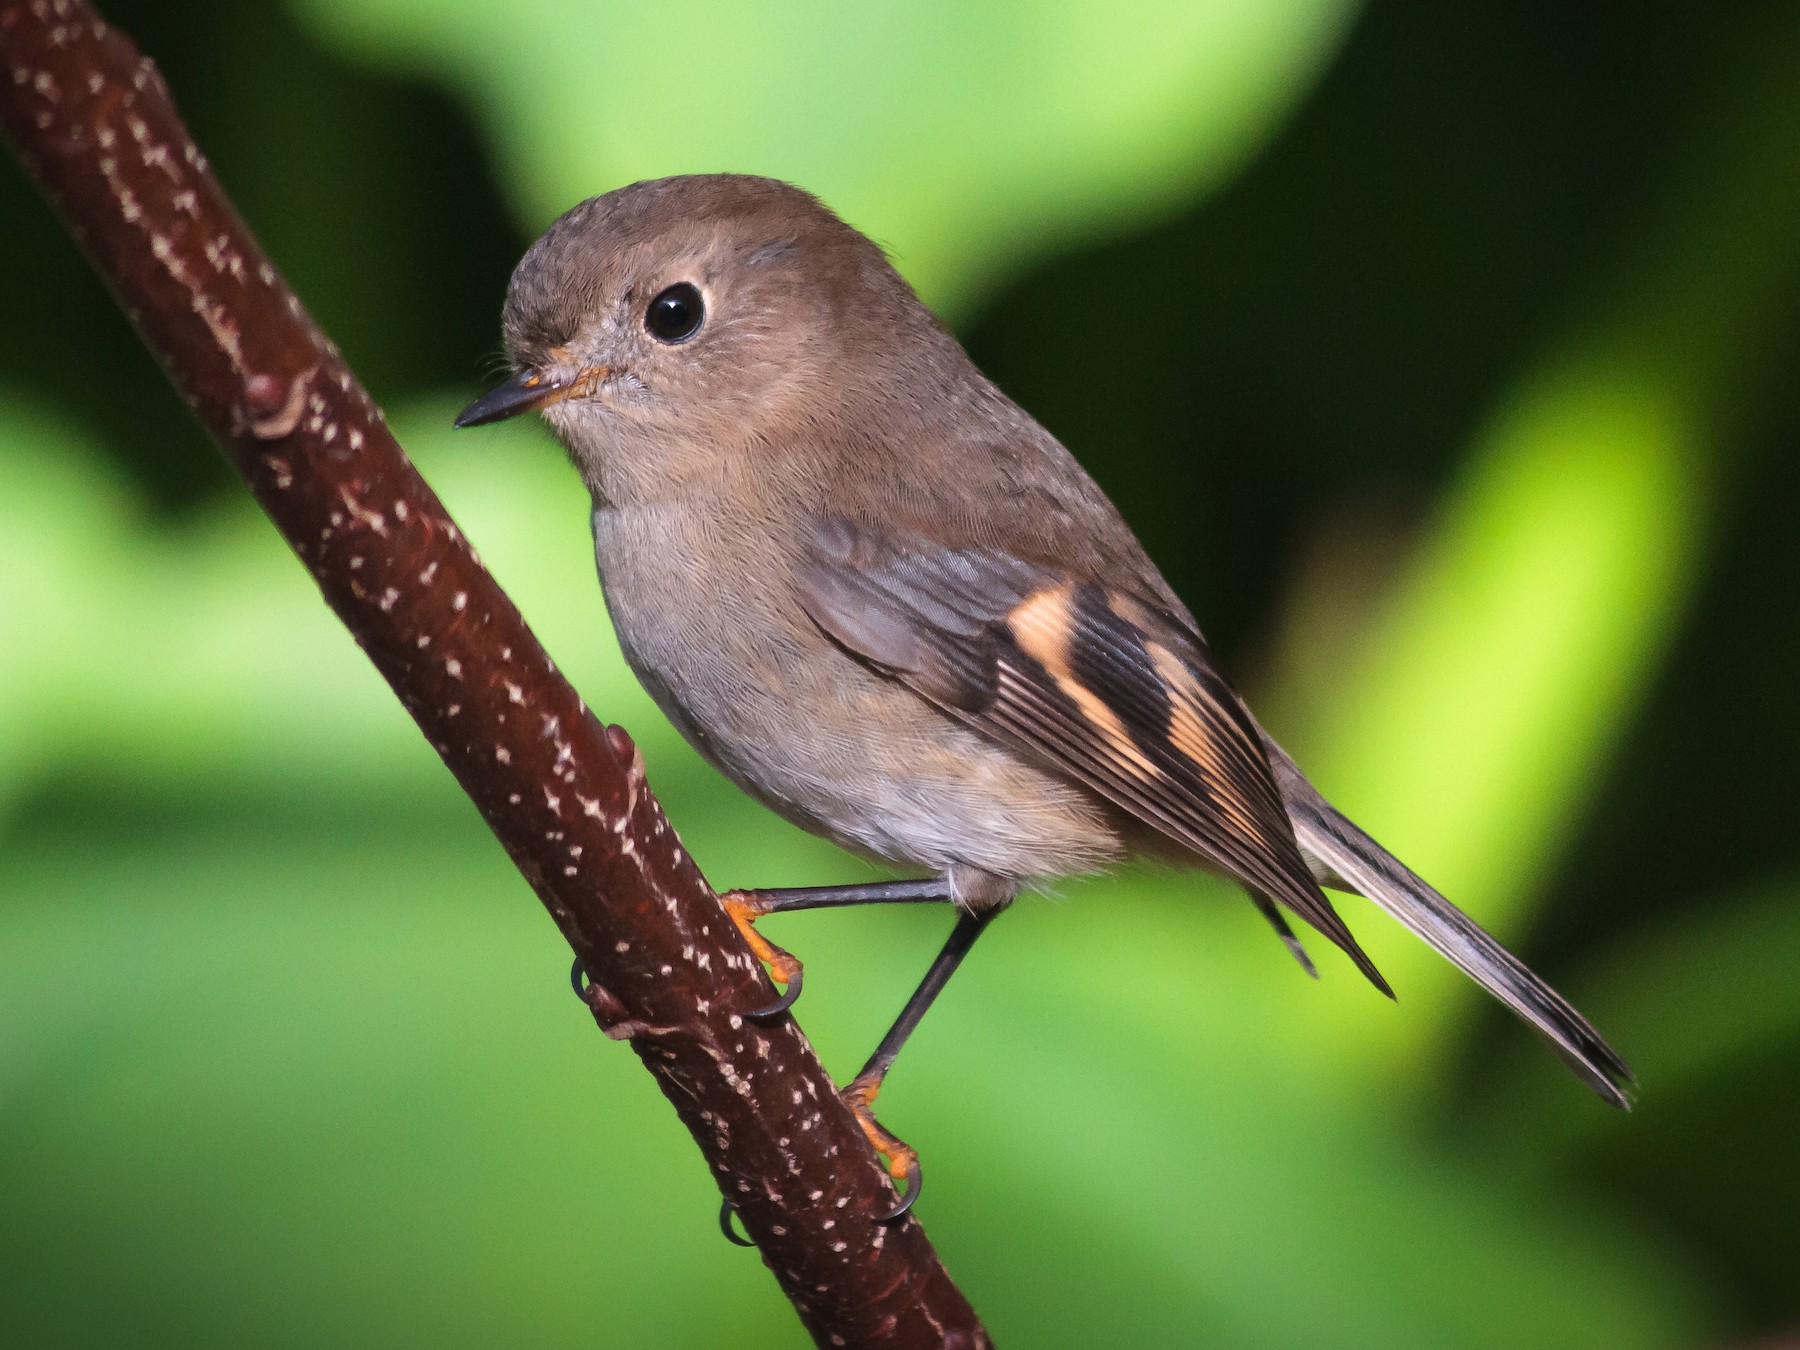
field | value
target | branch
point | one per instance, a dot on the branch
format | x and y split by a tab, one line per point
93	123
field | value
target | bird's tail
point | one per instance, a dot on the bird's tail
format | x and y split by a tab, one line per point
1348	859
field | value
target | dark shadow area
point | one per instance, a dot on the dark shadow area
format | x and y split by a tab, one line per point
375	198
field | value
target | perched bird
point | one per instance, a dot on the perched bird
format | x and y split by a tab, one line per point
883	600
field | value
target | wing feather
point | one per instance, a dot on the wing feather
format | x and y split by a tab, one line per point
1093	683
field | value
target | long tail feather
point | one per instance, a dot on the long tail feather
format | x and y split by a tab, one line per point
1352	861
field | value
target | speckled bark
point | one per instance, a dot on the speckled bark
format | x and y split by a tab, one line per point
93	123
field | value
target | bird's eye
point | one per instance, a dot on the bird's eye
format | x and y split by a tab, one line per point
675	314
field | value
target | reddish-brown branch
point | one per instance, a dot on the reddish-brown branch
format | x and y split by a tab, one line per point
94	125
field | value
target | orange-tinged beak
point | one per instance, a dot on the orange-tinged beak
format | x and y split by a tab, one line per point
527	390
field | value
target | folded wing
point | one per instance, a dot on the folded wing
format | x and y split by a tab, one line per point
1086	680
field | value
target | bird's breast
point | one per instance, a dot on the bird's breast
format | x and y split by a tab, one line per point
708	617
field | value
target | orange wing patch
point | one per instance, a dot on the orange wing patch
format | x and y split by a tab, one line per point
1190	738
1043	628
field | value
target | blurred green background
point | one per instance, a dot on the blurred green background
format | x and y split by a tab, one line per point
1438	353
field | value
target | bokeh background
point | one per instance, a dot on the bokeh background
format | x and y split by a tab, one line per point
1442	354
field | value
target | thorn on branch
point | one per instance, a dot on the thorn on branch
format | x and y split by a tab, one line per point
609	1013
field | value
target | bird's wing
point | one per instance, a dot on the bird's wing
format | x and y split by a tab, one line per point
1087	680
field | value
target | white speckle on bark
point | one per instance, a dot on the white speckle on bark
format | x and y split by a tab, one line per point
374	520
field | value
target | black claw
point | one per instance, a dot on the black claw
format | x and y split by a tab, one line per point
726	1211
578	980
782	1004
915	1182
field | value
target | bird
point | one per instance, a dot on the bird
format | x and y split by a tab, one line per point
883	600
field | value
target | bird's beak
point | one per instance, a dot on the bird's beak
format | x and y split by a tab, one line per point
525	391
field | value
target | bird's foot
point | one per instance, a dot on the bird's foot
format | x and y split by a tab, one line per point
784	967
899	1157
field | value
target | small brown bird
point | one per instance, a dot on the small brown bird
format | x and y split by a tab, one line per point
883	600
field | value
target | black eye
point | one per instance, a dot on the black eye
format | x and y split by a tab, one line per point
675	314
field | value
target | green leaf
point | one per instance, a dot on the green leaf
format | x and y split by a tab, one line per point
969	139
138	655
1497	679
1697	995
300	1088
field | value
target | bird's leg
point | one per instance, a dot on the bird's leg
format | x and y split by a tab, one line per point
746	907
902	1160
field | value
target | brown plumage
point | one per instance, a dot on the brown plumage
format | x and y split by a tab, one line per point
881	598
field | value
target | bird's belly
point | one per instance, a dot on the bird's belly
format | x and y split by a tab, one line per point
840	751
